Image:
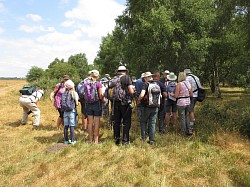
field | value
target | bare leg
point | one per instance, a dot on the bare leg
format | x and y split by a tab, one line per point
174	116
84	122
59	122
167	119
96	130
90	128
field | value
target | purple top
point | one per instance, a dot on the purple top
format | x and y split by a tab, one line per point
58	96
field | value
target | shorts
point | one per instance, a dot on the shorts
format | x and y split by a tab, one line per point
170	104
69	119
60	112
192	104
94	109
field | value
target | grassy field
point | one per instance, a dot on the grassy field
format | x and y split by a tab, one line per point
213	156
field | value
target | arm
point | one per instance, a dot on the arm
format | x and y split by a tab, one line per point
52	94
100	93
76	97
177	90
142	94
130	89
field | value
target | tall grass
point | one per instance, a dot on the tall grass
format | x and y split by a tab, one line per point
216	155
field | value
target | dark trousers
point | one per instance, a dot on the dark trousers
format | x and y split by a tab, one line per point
122	113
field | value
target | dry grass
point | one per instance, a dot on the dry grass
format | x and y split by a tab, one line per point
174	161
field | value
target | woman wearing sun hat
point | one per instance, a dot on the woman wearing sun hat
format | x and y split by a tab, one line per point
170	102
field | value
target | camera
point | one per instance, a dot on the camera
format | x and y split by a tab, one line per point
130	104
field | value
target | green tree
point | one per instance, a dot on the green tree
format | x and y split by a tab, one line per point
60	69
79	61
34	74
110	54
56	61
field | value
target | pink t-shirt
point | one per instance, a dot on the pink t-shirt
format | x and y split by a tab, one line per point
184	92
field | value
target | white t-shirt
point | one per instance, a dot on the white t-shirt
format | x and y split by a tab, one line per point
190	78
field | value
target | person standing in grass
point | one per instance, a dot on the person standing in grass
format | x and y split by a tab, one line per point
150	99
183	92
69	103
194	81
93	99
122	100
170	102
57	95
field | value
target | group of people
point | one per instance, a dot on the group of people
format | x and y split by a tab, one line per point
156	100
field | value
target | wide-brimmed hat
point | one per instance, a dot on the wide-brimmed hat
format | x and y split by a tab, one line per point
95	73
171	76
66	77
166	72
69	84
122	68
147	74
187	71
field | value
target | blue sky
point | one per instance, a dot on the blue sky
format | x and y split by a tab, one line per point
35	32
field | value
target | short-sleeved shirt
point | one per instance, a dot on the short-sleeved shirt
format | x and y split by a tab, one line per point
144	101
191	79
125	80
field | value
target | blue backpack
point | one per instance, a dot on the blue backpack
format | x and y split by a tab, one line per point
68	103
171	87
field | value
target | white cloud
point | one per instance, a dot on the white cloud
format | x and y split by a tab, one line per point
31	29
82	30
68	23
34	17
95	17
1	30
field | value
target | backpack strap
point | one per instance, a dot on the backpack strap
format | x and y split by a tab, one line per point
195	82
185	96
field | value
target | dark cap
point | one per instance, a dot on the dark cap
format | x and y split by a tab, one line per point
66	77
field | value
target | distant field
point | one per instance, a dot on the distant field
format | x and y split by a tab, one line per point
211	157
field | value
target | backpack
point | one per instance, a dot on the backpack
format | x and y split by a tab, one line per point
154	95
27	90
171	89
201	92
119	91
90	91
80	90
68	102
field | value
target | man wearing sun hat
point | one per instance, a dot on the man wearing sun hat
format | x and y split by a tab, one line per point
165	74
149	113
193	79
122	97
